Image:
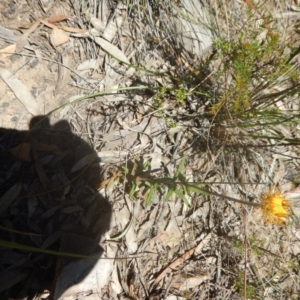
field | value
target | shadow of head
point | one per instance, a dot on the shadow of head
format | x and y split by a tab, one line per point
48	202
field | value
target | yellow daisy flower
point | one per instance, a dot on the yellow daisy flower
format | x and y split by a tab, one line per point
275	207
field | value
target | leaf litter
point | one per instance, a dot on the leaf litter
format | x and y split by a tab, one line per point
165	236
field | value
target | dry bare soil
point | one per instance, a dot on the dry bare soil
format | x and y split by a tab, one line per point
191	102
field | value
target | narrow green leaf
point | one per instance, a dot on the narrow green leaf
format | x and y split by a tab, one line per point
149	196
132	190
147	183
196	189
181	195
113	182
123	233
169	194
180	167
126	170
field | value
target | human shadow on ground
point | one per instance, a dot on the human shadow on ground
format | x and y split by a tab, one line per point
49	201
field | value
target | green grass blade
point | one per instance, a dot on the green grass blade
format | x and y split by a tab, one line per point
181	195
180	167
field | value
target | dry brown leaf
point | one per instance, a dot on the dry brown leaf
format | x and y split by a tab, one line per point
111	49
191	32
22	152
184	284
87	64
65	28
84	162
97	76
58	18
7	35
9	196
8	51
174	264
46	147
110	31
44	179
202	244
112	27
58	37
131	288
64	76
47	23
98	24
182	259
123	137
25	25
22	40
71	29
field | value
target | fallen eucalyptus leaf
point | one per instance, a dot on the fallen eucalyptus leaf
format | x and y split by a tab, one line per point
21	91
10	196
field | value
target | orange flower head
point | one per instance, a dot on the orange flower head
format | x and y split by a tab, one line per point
275	207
